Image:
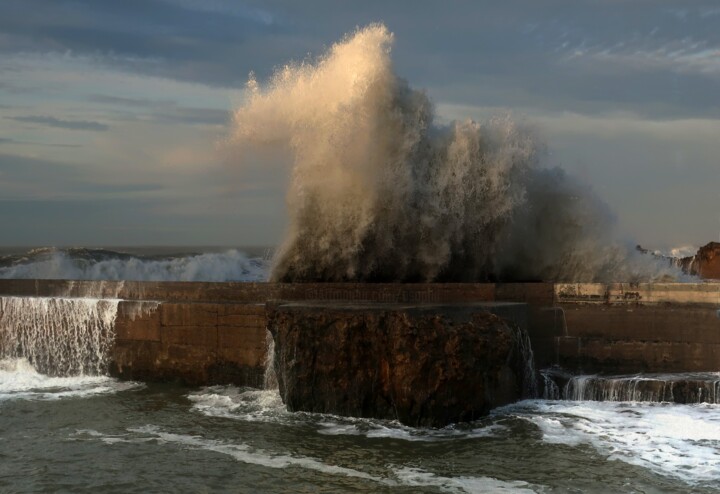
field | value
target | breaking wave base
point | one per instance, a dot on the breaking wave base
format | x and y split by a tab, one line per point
227	439
380	191
80	425
104	264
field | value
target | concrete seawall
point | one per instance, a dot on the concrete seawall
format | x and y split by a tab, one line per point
215	332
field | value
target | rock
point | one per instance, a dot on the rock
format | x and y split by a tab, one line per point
708	258
705	264
424	367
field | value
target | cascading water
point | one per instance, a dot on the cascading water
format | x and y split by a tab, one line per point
270	381
671	388
58	336
530	389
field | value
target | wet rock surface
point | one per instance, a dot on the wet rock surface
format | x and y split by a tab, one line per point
424	367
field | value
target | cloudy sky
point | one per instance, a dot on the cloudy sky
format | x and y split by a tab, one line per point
112	112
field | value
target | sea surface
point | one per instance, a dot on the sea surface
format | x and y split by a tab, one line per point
94	434
137	263
97	434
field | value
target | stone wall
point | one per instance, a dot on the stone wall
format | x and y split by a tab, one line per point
196	343
215	332
629	328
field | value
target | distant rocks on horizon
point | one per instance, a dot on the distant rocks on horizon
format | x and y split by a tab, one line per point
705	263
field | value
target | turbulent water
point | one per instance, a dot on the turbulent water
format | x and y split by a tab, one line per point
381	192
94	434
141	264
60	336
80	431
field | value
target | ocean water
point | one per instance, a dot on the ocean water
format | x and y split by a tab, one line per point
137	264
66	427
97	434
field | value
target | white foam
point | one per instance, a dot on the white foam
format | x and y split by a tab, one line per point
420	478
60	336
397	476
267	406
681	441
244	453
231	265
250	405
20	380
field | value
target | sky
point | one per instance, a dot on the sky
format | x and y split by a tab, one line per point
113	113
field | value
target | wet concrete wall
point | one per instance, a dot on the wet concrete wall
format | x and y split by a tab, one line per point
215	332
629	328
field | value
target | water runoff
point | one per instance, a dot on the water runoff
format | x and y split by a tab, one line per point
68	427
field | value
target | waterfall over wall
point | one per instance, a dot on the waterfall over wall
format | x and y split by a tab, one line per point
671	388
59	336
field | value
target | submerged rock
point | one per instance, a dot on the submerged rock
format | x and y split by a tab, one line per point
424	367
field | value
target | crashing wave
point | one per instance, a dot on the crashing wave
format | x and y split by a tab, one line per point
100	264
381	192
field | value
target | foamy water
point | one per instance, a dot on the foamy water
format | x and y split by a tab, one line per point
229	439
19	380
98	264
681	441
678	441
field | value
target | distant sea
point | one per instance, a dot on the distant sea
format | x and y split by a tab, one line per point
137	263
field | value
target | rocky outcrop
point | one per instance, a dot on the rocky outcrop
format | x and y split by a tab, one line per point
708	259
705	264
424	367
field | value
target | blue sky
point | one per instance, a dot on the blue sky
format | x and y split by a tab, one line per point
112	113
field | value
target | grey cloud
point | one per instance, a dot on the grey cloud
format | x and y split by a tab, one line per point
167	111
558	54
62	123
6	140
104	188
119	222
148	36
59	178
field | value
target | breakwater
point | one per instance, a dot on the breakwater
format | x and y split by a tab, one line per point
216	332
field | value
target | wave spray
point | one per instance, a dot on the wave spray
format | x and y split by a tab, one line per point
379	192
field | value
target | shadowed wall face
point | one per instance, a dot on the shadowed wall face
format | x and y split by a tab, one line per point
215	332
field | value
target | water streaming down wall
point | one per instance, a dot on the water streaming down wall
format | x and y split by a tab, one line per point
672	388
58	336
529	378
270	380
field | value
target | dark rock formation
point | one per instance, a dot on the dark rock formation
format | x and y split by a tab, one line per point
708	258
424	367
705	264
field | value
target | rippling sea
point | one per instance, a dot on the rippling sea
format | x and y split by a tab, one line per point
96	434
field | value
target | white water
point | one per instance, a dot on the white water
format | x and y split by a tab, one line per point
678	441
397	476
381	192
674	388
231	265
58	336
20	380
681	441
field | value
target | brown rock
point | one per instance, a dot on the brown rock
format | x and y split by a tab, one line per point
708	258
424	367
